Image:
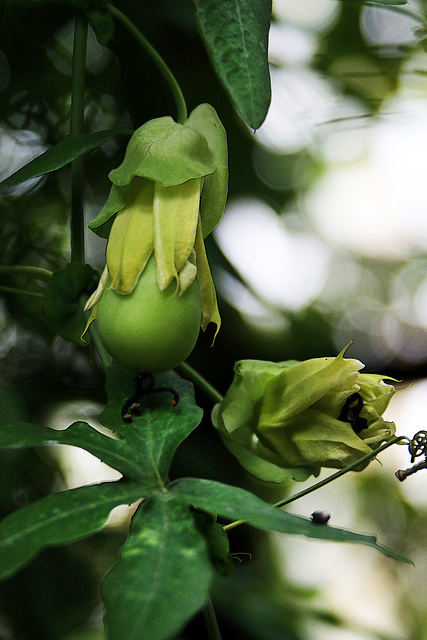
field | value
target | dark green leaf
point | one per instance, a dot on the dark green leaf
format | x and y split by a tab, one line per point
115	453
61	301
217	542
237	504
67	150
235	33
57	519
103	25
152	437
145	447
163	576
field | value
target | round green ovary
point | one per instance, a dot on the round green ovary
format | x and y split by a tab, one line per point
148	330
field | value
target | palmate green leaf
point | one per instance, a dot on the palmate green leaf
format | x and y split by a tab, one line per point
58	519
142	450
163	576
61	300
237	504
67	150
235	33
152	438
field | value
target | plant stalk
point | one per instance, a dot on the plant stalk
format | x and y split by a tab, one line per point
21	292
22	270
191	374
77	128
212	628
331	478
104	356
158	61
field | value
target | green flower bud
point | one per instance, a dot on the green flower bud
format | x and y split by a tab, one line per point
168	194
289	419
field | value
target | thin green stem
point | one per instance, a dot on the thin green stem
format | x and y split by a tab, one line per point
22	270
158	61
104	356
212	628
77	128
341	472
93	332
331	478
191	374
21	292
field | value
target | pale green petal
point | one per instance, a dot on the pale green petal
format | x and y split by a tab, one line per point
214	195
188	274
314	438
166	152
300	387
378	432
239	408
97	294
175	214
130	244
254	457
210	311
376	393
116	201
93	316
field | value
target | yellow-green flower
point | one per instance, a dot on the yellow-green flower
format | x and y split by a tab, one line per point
291	418
168	194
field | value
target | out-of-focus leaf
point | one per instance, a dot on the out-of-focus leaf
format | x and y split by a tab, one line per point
235	33
103	25
67	150
237	504
61	300
57	519
163	576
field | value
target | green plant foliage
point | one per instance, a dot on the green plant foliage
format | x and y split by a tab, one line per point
171	154
163	576
152	437
217	541
236	38
67	150
237	504
62	299
116	453
144	448
103	25
298	413
57	519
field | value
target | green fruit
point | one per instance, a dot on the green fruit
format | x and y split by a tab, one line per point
148	330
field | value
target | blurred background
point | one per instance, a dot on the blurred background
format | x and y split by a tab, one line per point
324	241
